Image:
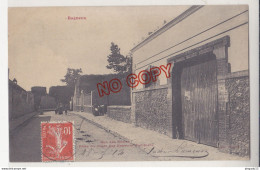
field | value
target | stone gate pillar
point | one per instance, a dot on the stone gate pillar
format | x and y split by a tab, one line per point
221	52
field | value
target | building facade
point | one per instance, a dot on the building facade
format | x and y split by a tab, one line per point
206	97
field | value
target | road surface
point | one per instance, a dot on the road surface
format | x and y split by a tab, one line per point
91	142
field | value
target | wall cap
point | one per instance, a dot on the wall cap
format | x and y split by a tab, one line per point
119	107
151	88
244	73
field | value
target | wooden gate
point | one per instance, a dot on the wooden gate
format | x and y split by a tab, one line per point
199	102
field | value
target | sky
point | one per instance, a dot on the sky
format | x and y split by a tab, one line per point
43	43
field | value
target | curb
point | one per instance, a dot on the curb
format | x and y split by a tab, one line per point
130	141
102	127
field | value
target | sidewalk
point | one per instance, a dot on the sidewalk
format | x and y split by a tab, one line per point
156	144
13	124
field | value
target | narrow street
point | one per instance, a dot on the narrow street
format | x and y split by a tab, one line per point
91	142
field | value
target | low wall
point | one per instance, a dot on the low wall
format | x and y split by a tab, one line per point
77	108
87	109
120	113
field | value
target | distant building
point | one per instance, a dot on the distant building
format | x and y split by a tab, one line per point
38	92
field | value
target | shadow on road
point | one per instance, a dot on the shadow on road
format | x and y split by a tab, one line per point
25	141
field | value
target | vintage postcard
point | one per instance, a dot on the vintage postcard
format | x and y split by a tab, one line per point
129	83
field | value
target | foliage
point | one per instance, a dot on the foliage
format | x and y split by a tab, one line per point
62	94
116	61
71	77
39	90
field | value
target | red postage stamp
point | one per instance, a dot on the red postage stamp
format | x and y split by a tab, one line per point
57	141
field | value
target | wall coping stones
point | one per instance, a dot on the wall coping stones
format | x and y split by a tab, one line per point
119	107
165	86
237	74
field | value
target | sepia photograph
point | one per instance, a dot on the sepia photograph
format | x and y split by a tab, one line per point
129	83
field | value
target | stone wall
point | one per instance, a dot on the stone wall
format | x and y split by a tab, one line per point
77	108
238	113
87	109
120	113
21	102
151	110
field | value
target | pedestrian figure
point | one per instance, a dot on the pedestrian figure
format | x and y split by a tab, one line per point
60	108
66	110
